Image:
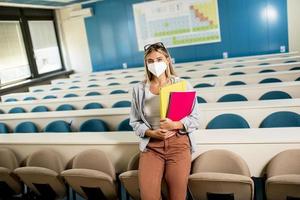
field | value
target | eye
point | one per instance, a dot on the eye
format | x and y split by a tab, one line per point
150	61
159	59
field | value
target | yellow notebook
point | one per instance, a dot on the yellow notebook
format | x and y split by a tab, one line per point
165	94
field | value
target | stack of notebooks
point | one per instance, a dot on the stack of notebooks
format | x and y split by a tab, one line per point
175	101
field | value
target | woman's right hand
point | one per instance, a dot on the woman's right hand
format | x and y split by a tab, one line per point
161	134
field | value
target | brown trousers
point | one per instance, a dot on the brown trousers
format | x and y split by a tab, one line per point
169	159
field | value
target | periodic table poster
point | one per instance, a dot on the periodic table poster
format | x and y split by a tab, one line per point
177	22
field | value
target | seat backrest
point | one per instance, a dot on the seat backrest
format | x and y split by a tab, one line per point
40	109
3	128
8	159
46	158
58	126
267	71
65	107
220	161
270	80
133	163
295	68
124	126
275	95
232	97
286	162
96	160
93	105
1	111
209	75
236	73
94	125
93	94
227	121
29	98
281	119
297	79
50	97
93	85
17	110
202	85
110	84
26	127
118	92
10	100
70	95
201	100
121	104
232	83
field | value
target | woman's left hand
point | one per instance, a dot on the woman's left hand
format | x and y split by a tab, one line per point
167	123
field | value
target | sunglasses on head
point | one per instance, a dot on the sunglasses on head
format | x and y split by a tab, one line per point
159	44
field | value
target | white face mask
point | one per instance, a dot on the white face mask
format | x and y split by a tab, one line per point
157	68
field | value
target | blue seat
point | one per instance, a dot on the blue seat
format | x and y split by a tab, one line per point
121	104
129	76
60	83
275	95
58	126
232	97
11	100
233	83
237	66
40	109
200	100
131	82
191	70
65	107
53	89
76	81
203	85
92	94
110	84
93	85
29	98
118	92
110	78
49	97
213	68
74	87
263	64
94	125
3	128
298	79
267	71
270	80
290	61
295	68
281	119
26	127
124	126
93	79
227	121
17	110
236	73
92	105
70	95
38	90
209	75
185	77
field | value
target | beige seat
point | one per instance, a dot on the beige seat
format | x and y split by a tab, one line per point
283	176
10	184
92	175
42	174
130	179
220	174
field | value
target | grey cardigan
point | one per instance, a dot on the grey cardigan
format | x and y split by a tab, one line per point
140	124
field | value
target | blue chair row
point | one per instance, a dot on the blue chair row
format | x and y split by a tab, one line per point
277	119
272	95
67	95
234	83
91	125
65	107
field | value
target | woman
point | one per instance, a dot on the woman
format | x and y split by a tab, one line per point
165	145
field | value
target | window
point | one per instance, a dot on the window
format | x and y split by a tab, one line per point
13	59
46	52
29	47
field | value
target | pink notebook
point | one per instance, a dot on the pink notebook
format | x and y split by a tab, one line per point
180	105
